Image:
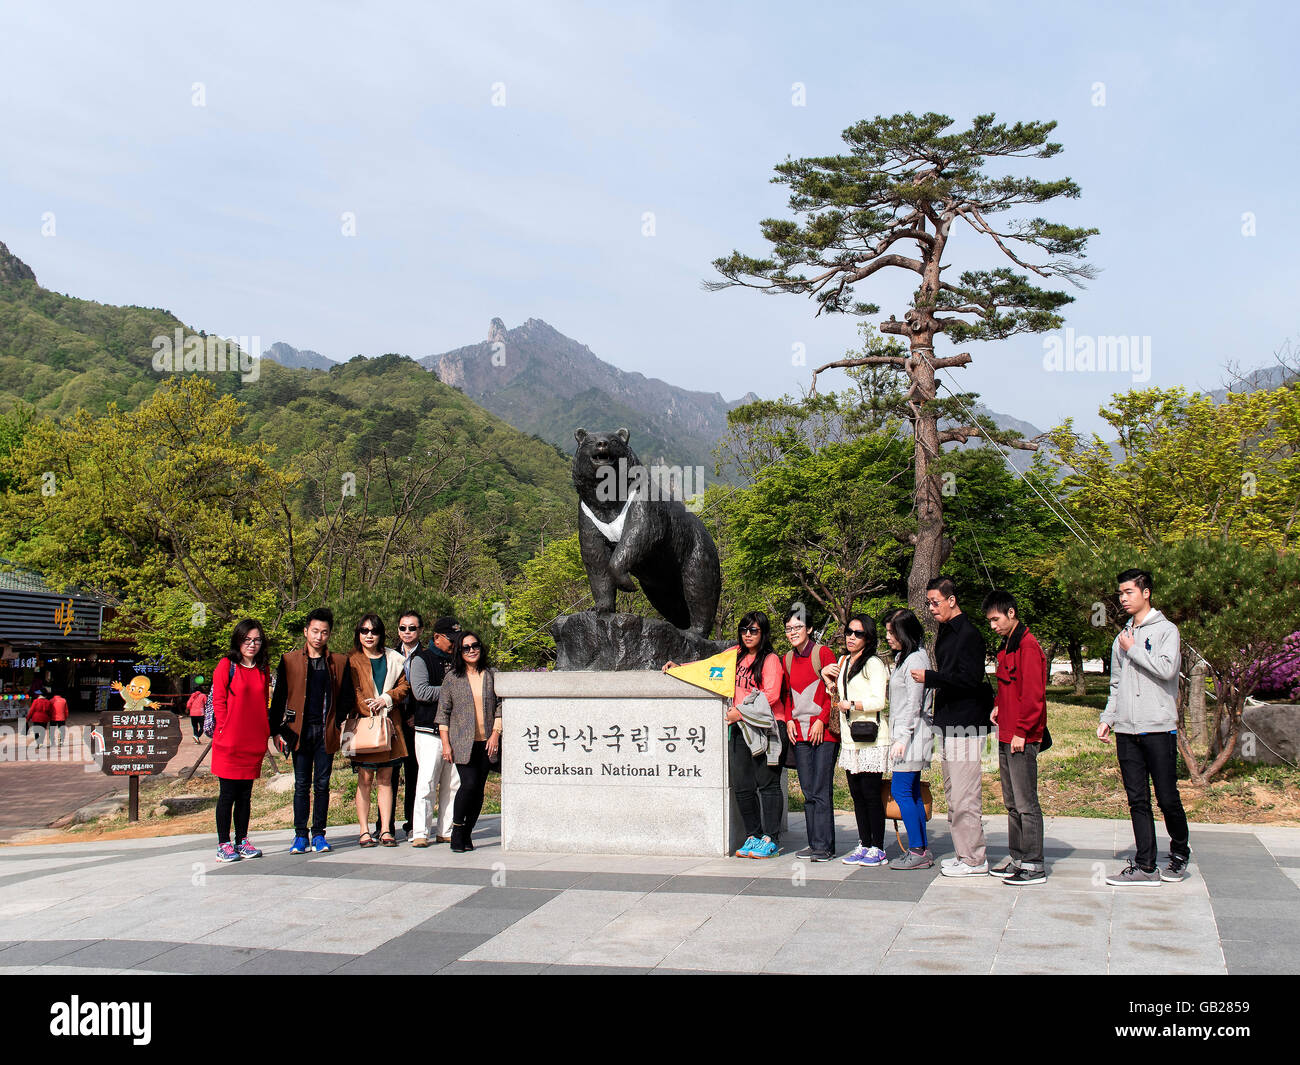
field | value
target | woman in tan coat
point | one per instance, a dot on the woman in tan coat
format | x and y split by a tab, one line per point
469	721
379	677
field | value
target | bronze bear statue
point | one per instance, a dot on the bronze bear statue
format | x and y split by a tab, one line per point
625	530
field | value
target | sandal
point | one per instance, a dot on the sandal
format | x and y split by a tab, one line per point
387	839
367	840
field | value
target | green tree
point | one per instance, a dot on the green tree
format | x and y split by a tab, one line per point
1234	604
905	183
158	510
833	522
1184	466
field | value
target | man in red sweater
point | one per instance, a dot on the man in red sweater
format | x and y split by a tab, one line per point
1020	712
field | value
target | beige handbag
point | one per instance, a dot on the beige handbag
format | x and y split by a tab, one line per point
368	735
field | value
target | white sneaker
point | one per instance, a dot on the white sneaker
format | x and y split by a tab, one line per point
962	869
948	863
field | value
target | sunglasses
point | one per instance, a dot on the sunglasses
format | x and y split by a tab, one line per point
408	628
466	648
753	630
855	633
368	632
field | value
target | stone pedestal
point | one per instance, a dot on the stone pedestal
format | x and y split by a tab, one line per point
592	641
614	763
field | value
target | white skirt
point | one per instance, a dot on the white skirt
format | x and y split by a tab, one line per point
864	759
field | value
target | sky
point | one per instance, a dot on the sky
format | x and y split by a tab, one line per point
503	160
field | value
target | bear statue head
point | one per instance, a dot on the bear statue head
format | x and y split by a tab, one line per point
597	462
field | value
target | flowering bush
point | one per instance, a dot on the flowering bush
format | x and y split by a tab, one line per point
1280	673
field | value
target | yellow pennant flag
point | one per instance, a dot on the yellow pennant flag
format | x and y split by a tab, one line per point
717	674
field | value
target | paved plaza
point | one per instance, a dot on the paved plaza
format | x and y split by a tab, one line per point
164	906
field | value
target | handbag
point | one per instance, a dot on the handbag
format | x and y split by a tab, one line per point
859	731
895	814
368	735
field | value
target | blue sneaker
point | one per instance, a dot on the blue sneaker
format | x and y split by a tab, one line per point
247	850
856	857
319	844
227	853
299	845
874	857
747	848
765	848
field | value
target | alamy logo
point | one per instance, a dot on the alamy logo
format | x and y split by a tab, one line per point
213	354
1087	354
103	1018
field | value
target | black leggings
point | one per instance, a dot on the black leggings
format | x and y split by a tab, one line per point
197	722
236	797
868	808
473	780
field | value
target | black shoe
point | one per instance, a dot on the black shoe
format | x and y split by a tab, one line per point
1176	870
458	839
822	856
1024	876
807	852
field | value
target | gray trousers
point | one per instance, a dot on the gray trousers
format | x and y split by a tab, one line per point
1019	773
961	786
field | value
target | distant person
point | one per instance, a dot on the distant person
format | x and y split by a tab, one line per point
861	684
437	778
812	732
196	704
241	683
961	714
380	687
313	693
1020	712
410	626
38	717
1142	711
910	722
469	723
59	718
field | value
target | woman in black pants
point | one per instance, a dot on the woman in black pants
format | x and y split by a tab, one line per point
469	722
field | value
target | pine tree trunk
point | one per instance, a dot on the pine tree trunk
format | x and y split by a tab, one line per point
928	558
1076	665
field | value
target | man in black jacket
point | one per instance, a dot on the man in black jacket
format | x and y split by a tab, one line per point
436	774
962	701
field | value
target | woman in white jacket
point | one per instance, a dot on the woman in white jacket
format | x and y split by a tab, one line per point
861	686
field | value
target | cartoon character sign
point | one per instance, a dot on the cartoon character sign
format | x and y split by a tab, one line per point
136	695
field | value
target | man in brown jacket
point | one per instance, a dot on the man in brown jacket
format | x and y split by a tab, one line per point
313	693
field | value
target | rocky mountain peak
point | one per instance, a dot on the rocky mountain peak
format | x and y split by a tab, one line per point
13	269
496	332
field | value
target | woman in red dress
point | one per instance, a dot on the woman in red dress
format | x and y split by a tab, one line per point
240	696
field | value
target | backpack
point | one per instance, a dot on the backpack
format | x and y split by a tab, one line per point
209	714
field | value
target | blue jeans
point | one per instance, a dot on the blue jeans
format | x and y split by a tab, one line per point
816	768
312	765
906	789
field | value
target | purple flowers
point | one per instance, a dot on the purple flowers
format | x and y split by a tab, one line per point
1280	672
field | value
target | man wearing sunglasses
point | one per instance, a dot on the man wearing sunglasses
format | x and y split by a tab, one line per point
410	626
437	778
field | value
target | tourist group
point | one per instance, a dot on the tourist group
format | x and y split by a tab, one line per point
430	710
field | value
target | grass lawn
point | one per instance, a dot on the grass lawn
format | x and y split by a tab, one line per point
1078	777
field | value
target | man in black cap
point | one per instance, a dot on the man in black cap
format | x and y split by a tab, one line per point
427	670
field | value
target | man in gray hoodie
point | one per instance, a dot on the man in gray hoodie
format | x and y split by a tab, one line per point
1142	711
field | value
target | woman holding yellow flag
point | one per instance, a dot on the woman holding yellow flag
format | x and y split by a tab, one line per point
754	717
